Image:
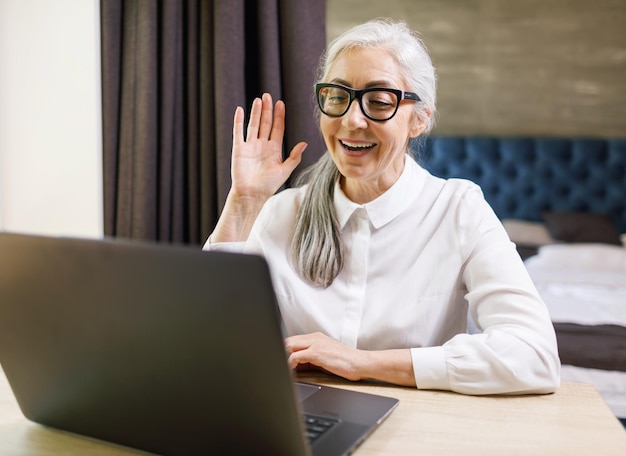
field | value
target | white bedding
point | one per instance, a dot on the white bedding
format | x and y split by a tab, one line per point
585	284
581	283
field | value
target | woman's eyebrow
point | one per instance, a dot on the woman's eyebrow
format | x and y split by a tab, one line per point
380	83
340	82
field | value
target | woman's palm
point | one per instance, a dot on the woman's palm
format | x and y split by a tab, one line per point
258	168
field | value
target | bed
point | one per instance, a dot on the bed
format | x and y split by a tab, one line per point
563	202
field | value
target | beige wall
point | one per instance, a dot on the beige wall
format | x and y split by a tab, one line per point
50	117
506	67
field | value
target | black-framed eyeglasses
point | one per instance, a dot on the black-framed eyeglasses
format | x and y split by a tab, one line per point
376	103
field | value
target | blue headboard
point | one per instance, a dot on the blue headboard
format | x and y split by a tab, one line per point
524	177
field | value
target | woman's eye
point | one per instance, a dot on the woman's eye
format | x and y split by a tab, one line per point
380	100
381	103
337	99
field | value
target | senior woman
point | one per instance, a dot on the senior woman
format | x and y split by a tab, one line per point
375	262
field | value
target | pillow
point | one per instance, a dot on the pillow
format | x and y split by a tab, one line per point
581	227
594	256
527	233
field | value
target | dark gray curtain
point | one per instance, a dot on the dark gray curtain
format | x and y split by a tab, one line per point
173	72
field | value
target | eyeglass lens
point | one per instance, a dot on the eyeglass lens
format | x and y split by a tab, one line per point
377	104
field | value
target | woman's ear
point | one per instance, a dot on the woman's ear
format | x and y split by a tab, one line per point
420	121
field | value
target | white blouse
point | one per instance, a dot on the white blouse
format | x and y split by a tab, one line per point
418	258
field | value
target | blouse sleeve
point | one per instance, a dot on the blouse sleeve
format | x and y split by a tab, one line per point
235	247
254	243
516	350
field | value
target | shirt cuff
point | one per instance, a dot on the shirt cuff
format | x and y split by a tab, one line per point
235	247
430	368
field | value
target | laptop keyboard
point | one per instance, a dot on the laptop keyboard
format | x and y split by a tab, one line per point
316	426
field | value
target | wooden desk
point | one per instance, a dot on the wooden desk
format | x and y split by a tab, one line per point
573	421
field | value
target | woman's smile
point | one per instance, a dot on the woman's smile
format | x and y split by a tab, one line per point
356	148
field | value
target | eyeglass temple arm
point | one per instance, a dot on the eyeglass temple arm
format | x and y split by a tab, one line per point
410	96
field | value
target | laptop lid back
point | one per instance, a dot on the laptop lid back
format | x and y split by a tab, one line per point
166	349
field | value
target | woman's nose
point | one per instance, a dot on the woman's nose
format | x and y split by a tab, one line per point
354	117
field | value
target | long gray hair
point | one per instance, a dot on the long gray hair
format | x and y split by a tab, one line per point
317	249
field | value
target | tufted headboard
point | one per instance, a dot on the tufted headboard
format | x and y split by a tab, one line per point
524	177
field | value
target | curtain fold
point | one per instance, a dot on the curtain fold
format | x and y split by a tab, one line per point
173	72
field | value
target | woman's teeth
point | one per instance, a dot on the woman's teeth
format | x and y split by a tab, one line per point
355	147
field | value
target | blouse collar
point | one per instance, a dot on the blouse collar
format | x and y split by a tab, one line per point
390	204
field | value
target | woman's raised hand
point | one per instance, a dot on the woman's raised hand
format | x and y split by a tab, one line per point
258	169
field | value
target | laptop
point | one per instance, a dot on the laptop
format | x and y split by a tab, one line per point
166	349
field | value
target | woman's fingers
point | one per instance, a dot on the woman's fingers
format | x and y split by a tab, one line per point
265	131
255	119
295	157
260	123
319	350
266	116
278	126
238	126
